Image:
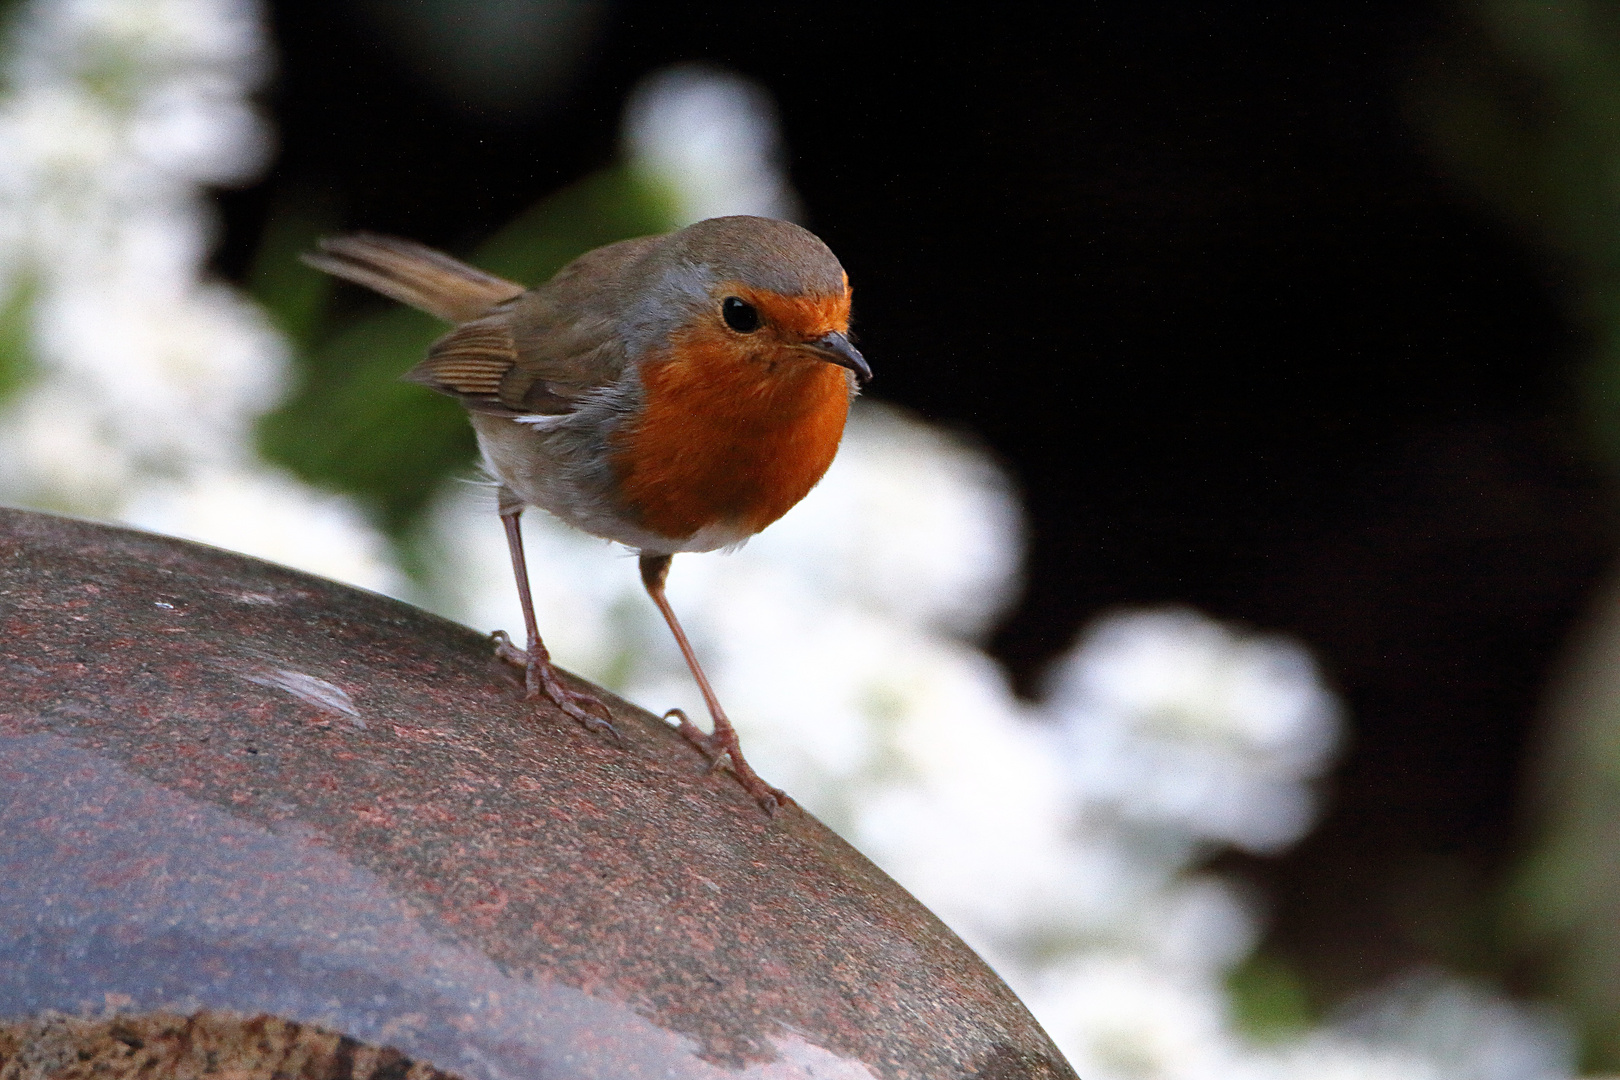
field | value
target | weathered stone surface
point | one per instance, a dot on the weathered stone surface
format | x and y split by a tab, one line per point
227	785
162	1046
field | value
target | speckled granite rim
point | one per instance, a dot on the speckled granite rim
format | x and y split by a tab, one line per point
228	785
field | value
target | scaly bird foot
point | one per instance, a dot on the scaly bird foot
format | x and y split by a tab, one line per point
723	747
540	677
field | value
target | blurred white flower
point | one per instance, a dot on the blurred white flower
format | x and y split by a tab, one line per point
711	138
1174	718
1119	1018
909	521
1463	1030
148	378
1326	1055
1201	924
160	85
271	515
1425	1026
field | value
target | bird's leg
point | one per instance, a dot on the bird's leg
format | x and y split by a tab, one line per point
540	677
723	741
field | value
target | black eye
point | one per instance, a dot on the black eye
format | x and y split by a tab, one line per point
739	314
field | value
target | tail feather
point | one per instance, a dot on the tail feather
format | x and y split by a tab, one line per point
413	274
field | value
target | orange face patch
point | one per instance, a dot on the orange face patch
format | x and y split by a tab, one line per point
737	428
799	318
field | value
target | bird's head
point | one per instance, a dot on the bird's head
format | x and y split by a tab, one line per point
764	292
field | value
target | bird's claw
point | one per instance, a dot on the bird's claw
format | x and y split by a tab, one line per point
540	678
699	738
505	650
721	751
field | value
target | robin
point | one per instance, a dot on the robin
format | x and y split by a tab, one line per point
671	393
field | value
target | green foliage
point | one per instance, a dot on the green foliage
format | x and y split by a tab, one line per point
1269	1002
293	295
352	425
16	360
355	427
614	204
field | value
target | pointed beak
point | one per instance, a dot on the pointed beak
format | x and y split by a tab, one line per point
836	349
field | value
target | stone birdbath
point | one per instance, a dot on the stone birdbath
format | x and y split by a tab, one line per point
256	823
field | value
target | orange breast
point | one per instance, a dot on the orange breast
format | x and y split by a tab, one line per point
730	435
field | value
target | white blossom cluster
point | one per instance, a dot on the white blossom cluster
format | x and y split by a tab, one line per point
1061	838
710	137
143	377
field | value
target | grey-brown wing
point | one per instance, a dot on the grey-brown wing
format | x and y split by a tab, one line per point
475	362
544	351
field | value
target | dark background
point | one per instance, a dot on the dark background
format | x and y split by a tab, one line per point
1191	274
